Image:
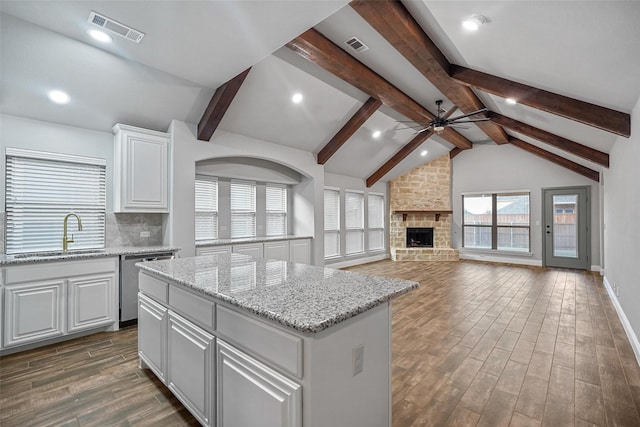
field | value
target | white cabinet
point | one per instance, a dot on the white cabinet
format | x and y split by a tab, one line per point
190	367
277	250
91	301
152	336
33	312
213	250
252	394
300	251
251	249
141	170
49	300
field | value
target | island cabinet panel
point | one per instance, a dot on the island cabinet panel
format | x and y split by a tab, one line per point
277	250
91	301
191	306
252	394
33	312
300	251
152	336
154	288
274	345
190	367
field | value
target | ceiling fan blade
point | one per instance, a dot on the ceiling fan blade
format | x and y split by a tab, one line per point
425	129
459	126
469	121
470	114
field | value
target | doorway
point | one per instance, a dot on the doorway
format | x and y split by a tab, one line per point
566	216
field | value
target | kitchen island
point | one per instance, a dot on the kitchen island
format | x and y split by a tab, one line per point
243	341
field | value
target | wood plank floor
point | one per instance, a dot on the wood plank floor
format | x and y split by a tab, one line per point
476	344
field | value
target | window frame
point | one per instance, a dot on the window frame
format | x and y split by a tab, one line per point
332	231
352	230
213	213
282	214
494	226
375	228
243	213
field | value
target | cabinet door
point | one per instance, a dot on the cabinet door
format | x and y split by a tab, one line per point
141	170
33	312
190	367
300	251
213	250
91	302
252	394
254	250
277	250
152	335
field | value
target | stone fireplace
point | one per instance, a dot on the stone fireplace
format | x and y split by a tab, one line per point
421	198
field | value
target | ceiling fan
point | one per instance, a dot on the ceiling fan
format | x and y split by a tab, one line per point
442	121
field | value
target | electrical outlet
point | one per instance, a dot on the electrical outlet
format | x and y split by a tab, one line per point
358	359
145	234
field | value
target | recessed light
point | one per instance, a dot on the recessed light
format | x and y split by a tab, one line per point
474	22
423	153
511	101
100	36
59	97
376	134
297	98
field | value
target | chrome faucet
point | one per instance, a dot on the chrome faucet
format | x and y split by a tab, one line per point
65	240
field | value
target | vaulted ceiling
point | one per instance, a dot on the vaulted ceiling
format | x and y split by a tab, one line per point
572	66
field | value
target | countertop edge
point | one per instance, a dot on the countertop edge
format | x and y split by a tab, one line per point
241	240
7	260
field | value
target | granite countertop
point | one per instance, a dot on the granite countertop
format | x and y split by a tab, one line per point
82	253
303	297
220	242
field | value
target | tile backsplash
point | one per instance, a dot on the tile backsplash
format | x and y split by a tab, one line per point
123	229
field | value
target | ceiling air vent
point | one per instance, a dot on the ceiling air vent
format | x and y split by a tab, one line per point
115	27
357	45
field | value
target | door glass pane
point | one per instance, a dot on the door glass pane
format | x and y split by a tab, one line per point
565	226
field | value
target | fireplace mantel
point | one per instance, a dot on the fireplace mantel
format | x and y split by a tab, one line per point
437	213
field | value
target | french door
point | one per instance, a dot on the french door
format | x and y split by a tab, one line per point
566	241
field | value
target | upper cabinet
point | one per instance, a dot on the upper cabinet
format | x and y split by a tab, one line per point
141	170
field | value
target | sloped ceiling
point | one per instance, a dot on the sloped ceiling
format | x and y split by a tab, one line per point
587	50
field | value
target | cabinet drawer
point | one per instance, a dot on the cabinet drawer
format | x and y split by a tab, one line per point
278	347
155	288
192	306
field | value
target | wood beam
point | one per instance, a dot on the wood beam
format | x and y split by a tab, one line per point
590	114
220	102
354	123
565	144
559	160
454	152
394	22
398	157
318	49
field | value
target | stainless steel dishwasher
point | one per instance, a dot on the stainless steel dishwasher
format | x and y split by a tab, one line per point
129	284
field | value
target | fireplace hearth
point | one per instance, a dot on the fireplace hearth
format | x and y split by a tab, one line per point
419	237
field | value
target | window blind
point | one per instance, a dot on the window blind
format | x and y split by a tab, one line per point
276	202
376	221
41	189
354	222
331	223
206	208
243	209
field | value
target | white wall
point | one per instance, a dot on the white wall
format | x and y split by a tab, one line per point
187	150
505	168
622	226
350	183
20	132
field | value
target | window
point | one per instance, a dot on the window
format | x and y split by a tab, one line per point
276	210
41	189
496	221
243	209
376	221
331	223
354	222
206	208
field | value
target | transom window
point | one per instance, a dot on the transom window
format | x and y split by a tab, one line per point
499	221
41	189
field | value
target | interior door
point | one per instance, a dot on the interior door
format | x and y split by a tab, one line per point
566	241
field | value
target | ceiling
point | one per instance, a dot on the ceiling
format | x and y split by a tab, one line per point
586	50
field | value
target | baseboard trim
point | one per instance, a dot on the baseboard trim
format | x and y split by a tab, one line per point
357	261
501	259
633	338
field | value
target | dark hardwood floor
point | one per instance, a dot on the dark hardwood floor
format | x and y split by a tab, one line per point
476	344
